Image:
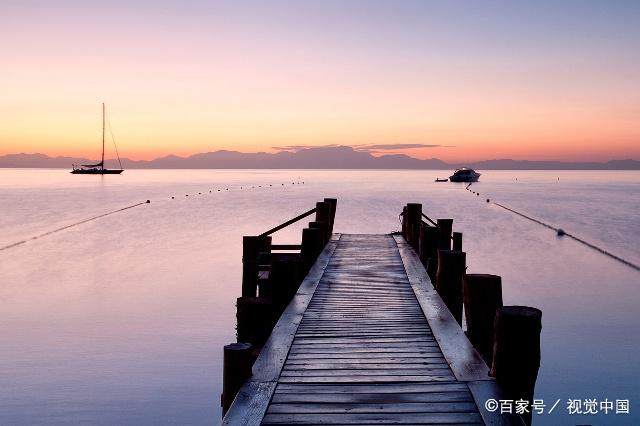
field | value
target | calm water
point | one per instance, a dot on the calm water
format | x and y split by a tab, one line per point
122	320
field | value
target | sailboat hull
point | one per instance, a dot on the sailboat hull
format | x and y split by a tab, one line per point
97	171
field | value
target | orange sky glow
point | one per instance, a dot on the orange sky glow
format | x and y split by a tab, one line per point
184	84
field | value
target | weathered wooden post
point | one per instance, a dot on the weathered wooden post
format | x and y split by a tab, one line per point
405	232
323	216
255	319
322	227
451	267
516	351
310	248
415	235
428	250
251	249
414	218
421	243
333	203
482	296
265	287
284	280
457	241
445	226
237	362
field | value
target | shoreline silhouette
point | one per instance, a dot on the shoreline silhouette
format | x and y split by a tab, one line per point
334	157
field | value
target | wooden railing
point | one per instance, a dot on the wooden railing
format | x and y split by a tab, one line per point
271	275
507	337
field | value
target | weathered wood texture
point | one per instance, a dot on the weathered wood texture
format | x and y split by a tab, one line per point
252	400
364	352
237	369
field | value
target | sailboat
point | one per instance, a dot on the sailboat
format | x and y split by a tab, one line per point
98	168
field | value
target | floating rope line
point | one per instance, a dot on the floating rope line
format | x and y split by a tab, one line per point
526	217
173	197
72	225
561	232
18	243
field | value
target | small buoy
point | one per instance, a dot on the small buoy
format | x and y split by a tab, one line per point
488	200
199	193
186	195
173	198
560	232
218	190
209	190
283	184
477	193
148	201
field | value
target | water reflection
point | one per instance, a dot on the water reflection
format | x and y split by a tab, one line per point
122	320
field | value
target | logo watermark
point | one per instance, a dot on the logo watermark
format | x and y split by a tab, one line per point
587	406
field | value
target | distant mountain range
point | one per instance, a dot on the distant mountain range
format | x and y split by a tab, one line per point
333	157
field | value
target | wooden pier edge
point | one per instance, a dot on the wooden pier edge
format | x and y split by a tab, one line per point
464	360
252	401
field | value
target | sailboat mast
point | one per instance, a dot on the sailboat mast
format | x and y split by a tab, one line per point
102	136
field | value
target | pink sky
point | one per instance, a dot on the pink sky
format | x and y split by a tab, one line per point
561	85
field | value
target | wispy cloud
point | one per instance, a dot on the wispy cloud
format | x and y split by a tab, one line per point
397	146
295	148
373	148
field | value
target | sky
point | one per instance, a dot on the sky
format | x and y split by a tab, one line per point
460	81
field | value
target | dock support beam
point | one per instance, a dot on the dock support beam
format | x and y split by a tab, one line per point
252	247
323	218
237	363
322	227
451	267
414	220
482	295
457	241
428	249
255	319
516	351
285	273
445	226
312	244
405	224
333	204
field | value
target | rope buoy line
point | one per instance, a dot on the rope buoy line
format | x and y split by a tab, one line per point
561	232
19	243
173	197
527	217
73	224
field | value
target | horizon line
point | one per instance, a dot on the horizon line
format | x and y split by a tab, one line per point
307	148
335	158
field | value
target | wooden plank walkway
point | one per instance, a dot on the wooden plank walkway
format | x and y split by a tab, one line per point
369	342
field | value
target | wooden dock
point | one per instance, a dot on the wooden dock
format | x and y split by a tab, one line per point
367	340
